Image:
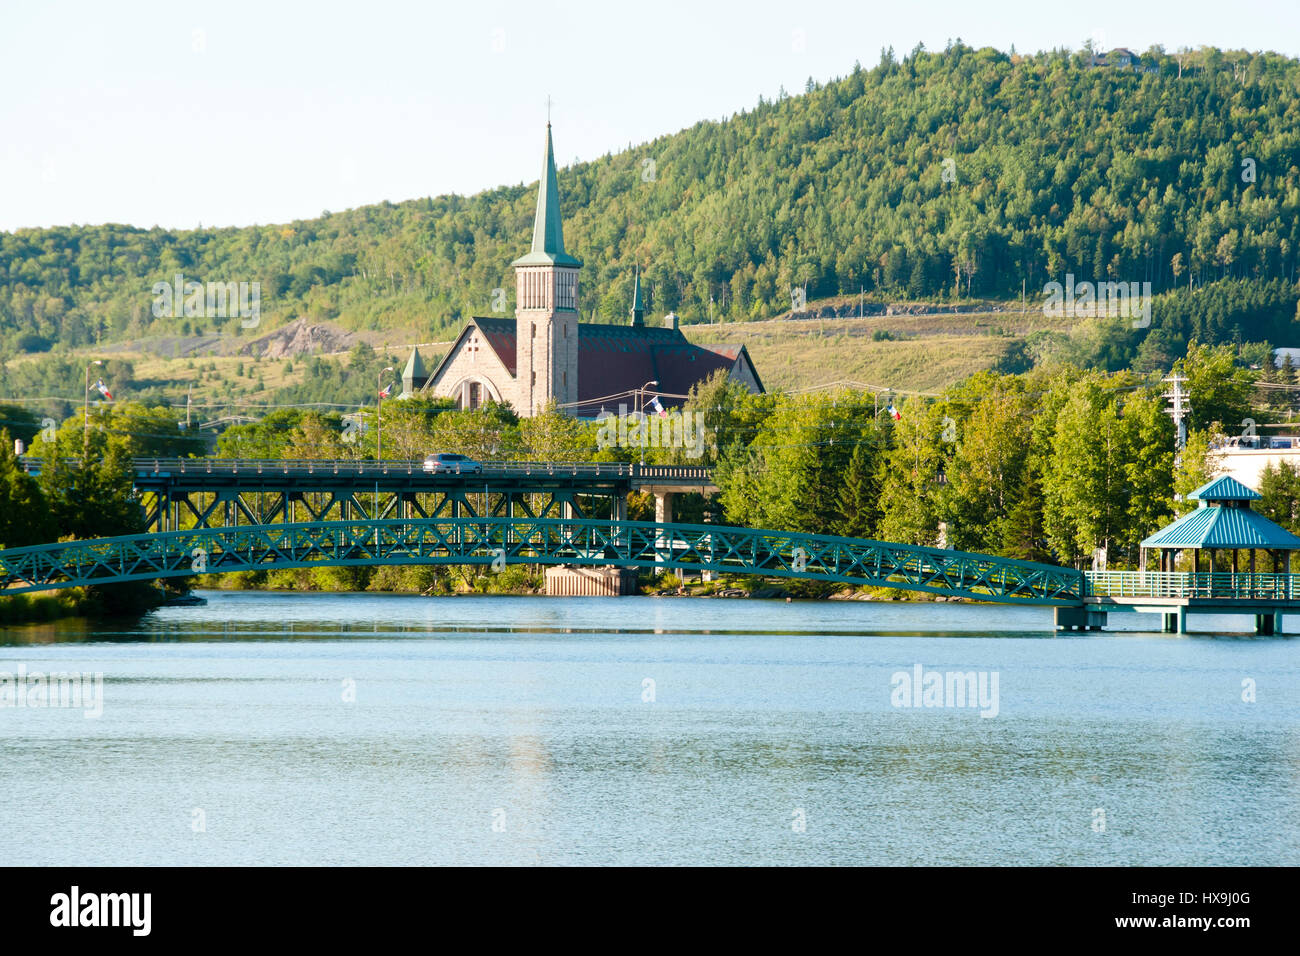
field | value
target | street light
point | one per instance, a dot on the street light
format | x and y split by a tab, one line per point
379	421
641	412
85	412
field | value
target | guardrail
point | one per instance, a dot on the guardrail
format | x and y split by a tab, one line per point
237	466
1176	584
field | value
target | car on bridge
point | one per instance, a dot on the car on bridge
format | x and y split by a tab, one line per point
450	464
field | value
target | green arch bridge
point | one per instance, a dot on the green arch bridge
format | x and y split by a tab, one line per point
537	541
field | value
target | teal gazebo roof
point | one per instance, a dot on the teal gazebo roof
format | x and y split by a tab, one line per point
1224	521
1226	529
1225	488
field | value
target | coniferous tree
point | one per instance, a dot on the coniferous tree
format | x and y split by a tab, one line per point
24	513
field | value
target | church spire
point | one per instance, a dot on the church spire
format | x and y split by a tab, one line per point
548	233
638	309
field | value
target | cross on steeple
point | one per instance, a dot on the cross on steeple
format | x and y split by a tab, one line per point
548	109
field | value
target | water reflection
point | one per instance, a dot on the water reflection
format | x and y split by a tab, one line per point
520	731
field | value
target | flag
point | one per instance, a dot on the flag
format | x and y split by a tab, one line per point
894	413
386	391
654	403
103	390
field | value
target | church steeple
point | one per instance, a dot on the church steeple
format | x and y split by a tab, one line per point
548	233
638	309
546	307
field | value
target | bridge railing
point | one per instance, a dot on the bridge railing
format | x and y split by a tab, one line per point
238	466
1176	584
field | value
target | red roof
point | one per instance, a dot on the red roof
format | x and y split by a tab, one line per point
614	359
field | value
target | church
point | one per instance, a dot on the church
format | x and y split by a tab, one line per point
546	355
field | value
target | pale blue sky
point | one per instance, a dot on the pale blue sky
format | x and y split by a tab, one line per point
230	113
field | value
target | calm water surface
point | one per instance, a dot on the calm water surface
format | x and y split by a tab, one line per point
340	729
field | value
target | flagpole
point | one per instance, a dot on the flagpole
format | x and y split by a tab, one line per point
85	413
379	419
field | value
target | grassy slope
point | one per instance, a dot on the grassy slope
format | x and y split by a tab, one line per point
927	353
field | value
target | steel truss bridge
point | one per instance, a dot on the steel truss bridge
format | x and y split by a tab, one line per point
500	541
182	493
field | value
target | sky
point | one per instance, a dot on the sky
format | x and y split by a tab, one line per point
187	114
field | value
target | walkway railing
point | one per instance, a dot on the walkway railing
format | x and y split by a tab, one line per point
366	467
1165	584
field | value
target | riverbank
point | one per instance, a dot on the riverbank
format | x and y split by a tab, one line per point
113	601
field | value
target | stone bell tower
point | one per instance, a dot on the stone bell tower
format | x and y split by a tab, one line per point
546	307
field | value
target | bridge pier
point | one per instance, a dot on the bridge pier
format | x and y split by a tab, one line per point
663	515
664	507
1079	619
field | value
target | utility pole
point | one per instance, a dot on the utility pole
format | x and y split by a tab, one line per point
1180	409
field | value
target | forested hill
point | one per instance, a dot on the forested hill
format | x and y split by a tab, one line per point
967	166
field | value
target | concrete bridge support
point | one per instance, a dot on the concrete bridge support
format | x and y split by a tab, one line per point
663	515
1079	619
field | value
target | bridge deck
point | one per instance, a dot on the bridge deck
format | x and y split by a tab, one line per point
1189	588
152	474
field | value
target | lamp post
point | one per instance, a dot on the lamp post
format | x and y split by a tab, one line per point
85	412
379	420
641	412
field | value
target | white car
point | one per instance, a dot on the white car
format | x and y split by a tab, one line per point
449	464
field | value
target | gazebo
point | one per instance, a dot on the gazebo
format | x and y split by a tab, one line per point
1223	522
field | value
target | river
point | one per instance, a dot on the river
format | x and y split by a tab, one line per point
282	728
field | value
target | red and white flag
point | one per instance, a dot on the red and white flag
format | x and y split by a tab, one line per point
386	391
654	403
103	390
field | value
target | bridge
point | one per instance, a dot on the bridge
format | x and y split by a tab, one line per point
213	516
537	541
180	493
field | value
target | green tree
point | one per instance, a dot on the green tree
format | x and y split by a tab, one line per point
1218	389
910	494
24	513
857	502
1084	483
987	469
